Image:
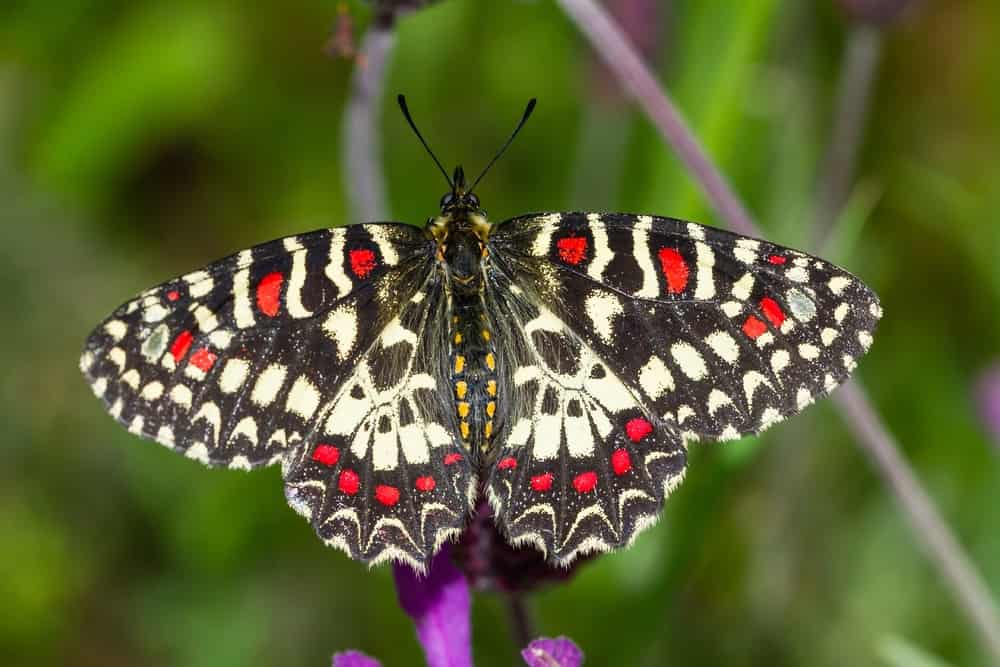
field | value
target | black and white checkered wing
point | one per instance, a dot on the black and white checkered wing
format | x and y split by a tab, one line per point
634	333
304	351
721	335
583	465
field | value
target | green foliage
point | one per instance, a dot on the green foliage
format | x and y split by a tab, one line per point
139	140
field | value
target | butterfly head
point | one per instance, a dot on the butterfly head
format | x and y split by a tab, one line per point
460	199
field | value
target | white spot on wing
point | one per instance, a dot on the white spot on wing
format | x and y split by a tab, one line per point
181	395
841	312
155	313
209	412
242	307
751	381
233	375
640	250
131	378
690	360
199	283
838	284
655	378
152	391
808	351
602	249
303	398
116	329
779	361
602	308
797	274
743	286
268	385
724	346
335	268
341	326
296	280
716	400
706	275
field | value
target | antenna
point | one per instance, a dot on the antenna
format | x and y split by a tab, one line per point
524	119
406	114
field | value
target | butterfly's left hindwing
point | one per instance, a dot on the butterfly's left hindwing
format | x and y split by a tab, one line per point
243	363
582	465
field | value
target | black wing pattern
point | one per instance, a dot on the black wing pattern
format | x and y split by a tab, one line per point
707	335
314	351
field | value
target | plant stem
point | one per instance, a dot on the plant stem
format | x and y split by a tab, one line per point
861	59
956	569
362	158
521	624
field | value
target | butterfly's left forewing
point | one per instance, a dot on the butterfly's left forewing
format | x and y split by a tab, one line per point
721	334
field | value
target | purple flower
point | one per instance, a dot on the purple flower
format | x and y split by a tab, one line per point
439	604
354	659
558	652
988	398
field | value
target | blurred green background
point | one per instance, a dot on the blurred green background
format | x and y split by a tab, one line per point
139	140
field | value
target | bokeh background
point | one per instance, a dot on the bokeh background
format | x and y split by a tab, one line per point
139	140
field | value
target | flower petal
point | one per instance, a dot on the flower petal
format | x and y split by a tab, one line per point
439	605
558	652
988	397
354	659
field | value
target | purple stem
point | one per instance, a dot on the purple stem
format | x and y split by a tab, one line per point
611	44
946	553
362	158
522	627
861	58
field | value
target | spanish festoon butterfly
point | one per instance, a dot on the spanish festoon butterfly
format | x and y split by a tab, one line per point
556	362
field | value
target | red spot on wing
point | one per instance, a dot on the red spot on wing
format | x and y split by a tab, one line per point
269	293
585	481
387	495
777	259
772	311
424	483
638	428
203	358
328	455
507	463
450	459
621	462
754	328
542	482
675	269
362	262
572	249
349	482
181	345
173	295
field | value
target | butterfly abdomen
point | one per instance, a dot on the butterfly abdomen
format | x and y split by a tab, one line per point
474	377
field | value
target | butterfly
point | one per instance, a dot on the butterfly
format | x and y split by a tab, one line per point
556	364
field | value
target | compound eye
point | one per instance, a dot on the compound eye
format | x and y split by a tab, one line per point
473	200
447	200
